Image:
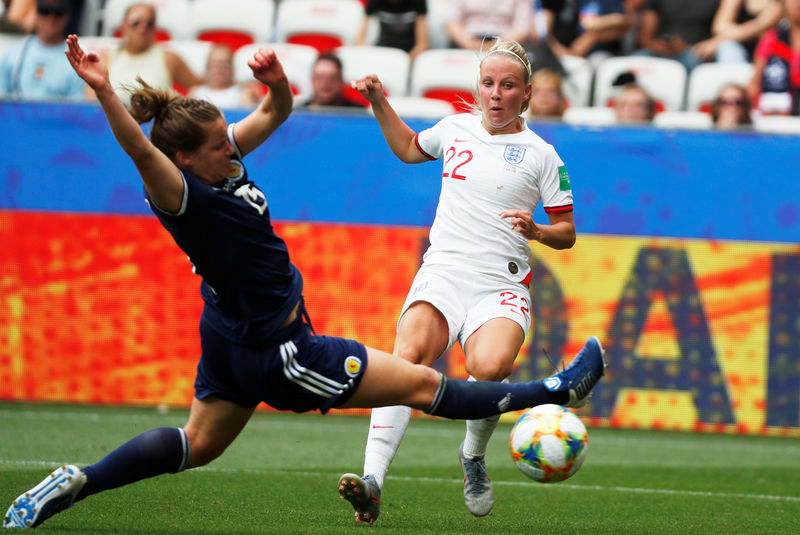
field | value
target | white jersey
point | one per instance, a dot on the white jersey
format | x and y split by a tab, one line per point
482	175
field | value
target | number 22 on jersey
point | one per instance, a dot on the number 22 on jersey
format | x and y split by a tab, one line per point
454	161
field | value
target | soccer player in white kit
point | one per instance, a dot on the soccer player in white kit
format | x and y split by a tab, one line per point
473	283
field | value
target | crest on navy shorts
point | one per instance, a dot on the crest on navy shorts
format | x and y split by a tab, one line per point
352	365
514	155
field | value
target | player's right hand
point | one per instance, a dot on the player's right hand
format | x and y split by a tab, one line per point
88	66
370	88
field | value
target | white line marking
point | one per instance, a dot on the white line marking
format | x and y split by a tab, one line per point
527	484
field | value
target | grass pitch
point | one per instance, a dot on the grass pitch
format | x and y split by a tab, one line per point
280	477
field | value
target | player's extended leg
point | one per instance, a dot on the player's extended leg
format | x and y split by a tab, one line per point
213	424
422	335
490	352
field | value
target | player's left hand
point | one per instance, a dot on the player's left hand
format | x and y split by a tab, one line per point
266	67
522	222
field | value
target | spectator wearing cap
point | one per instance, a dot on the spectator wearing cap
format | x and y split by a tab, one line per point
35	68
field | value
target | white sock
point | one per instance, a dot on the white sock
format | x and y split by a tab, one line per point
479	432
387	427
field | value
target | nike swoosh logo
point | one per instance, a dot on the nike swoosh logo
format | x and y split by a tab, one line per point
383	427
460	140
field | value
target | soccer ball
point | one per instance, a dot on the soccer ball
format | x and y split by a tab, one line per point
548	443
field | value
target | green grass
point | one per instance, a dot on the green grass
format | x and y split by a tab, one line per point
280	477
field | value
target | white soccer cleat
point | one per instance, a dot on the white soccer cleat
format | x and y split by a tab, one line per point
54	494
478	492
364	494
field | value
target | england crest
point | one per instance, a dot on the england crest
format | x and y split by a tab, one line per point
514	155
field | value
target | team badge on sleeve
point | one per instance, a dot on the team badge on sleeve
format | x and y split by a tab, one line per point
563	179
235	170
352	365
514	155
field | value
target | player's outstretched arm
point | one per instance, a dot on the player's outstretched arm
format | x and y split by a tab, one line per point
275	107
161	177
398	134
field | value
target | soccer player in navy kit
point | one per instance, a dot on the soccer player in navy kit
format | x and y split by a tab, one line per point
257	344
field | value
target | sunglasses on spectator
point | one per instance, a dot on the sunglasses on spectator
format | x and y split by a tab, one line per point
149	23
730	102
48	11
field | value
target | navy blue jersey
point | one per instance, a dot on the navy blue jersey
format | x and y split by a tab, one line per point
249	284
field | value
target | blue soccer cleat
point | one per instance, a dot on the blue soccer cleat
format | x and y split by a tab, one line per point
53	495
364	494
581	375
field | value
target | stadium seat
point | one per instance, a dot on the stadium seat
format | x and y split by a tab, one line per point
171	16
323	24
297	61
706	80
99	44
421	107
235	23
193	52
589	116
446	74
777	124
577	83
91	18
688	120
439	12
664	79
390	64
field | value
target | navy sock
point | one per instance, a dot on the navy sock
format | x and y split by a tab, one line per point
155	452
470	400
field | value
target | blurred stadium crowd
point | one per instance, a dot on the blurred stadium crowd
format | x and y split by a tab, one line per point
697	64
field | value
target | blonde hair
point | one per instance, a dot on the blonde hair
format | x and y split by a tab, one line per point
513	50
178	122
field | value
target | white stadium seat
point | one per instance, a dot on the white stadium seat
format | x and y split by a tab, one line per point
777	124
234	23
664	79
439	12
448	74
194	53
421	107
707	79
577	80
390	64
99	44
589	116
323	24
297	61
689	120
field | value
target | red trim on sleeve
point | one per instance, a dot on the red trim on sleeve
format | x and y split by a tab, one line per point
416	142
558	209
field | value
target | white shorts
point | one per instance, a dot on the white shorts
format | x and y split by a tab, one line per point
468	299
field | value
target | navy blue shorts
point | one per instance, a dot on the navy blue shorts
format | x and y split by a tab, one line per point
298	371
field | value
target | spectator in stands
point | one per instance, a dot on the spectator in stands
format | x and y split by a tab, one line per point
634	105
547	100
139	55
474	21
20	16
736	28
598	27
35	68
220	88
402	24
671	28
731	108
776	75
327	84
